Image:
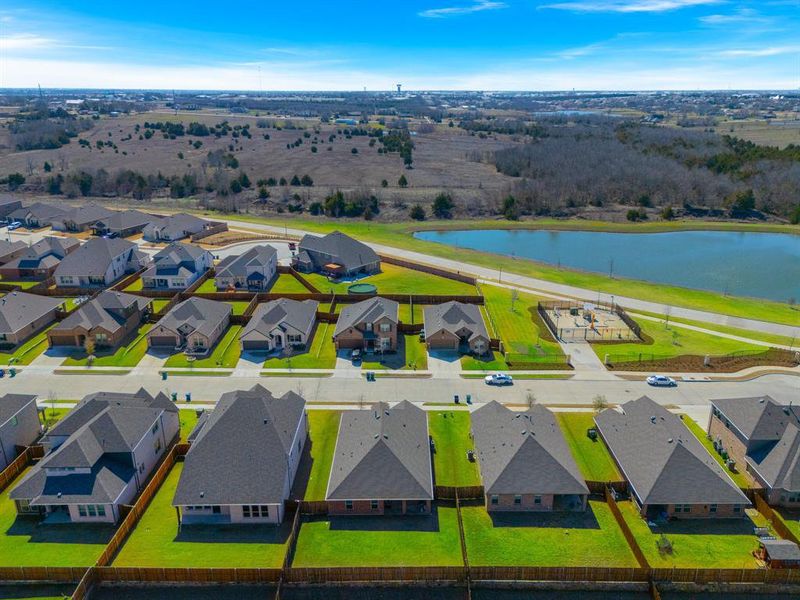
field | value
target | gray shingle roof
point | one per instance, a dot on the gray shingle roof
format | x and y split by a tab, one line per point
121	220
11	404
236	266
94	257
524	452
176	259
759	418
340	249
177	226
284	313
18	310
780	465
40	211
781	549
105	311
661	459
453	317
240	454
86	214
103	485
7	247
366	311
8	204
382	453
41	254
195	314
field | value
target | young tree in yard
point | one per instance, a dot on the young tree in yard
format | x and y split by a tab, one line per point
531	399
89	348
599	403
417	213
402	182
514	298
443	206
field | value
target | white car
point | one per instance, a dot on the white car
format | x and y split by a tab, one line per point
661	381
499	379
14	225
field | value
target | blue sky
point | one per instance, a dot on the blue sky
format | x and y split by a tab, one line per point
424	44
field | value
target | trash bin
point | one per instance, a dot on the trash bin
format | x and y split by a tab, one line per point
12	372
455	399
164	375
188	397
174	396
469	398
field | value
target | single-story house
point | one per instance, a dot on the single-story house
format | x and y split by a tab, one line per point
98	457
177	267
38	214
279	324
23	315
382	462
99	263
779	554
19	425
762	437
668	470
336	254
11	250
39	261
370	325
252	270
81	218
8	204
193	325
123	223
456	326
107	319
174	228
243	459
525	462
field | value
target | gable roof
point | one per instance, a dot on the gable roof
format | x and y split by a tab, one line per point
454	316
524	452
240	455
759	418
366	311
341	248
18	310
255	257
662	460
39	211
120	220
176	259
86	214
781	549
281	313
11	404
177	225
7	247
382	453
45	253
105	310
8	204
197	314
779	467
93	257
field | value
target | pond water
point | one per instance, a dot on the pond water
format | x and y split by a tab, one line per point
760	265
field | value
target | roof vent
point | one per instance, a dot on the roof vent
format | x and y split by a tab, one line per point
669	441
653	419
58	495
202	494
266	421
761	400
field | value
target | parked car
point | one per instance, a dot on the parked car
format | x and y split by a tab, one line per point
499	379
661	381
14	225
355	355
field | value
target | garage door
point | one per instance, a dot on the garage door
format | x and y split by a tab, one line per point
167	341
254	345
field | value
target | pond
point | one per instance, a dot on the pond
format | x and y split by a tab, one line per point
760	265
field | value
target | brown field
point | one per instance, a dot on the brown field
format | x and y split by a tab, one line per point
775	132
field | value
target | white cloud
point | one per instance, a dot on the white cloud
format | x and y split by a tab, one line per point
743	15
628	6
759	52
25	41
454	11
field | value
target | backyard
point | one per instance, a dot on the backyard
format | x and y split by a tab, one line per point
740	476
321	354
450	431
312	477
397	280
592	456
225	354
156	541
590	538
287	284
127	355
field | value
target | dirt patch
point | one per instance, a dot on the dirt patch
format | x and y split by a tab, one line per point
690	363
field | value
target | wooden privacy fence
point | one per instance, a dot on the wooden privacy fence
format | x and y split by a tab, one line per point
706	576
357	574
446	273
289	270
19	464
58	574
213	228
626	531
558	574
777	523
599	487
471	492
187	575
127	280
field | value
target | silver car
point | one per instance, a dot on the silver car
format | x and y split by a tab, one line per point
661	381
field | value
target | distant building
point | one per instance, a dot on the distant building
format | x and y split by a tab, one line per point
123	223
174	228
81	218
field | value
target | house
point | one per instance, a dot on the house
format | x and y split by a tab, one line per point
253	270
23	315
38	214
764	438
279	324
8	204
779	554
19	425
81	218
243	459
174	228
382	462
336	254
123	223
370	325
98	457
668	470
11	250
99	263
193	325
40	260
177	267
106	320
525	462
456	326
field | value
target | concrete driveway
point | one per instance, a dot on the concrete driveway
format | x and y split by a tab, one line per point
444	363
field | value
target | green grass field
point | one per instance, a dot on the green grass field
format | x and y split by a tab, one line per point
696	543
26	352
740	477
136	286
397	280
592	456
450	432
24	542
238	307
225	354
790	518
321	354
127	355
495	363
287	284
431	540
156	541
323	427
581	539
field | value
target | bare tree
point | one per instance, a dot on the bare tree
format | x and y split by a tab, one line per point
514	298
599	403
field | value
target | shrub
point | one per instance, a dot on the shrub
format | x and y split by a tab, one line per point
443	206
417	213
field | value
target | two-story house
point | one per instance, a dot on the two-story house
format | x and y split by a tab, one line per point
99	263
19	425
39	261
177	267
370	325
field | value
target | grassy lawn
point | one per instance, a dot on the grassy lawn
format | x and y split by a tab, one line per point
209	286
790	518
156	542
26	542
25	285
127	355
323	427
415	540
591	538
410	315
397	280
740	477
188	419
238	307
496	363
592	456
224	355
703	543
159	304
287	284
136	286
26	352
54	415
411	356
450	432
321	355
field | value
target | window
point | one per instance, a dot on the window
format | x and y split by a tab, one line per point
157	445
737	508
348	505
495	499
373	504
537	499
82	510
368	326
517	499
386	327
294	339
154	430
14	421
712	508
253	511
246	511
101	510
92	510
